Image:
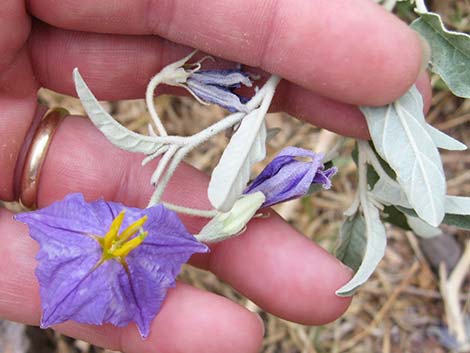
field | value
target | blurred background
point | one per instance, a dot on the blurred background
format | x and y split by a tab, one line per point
405	307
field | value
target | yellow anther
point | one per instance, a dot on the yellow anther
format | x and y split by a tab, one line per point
126	248
113	232
131	230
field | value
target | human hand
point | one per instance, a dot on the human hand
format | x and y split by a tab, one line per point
271	264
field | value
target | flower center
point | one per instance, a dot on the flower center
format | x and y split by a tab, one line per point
117	245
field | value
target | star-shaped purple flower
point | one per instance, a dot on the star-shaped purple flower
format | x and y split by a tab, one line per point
103	262
290	175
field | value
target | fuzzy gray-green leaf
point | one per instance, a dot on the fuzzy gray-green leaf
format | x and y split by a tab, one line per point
246	147
352	241
401	138
458	211
444	141
374	250
421	228
450	52
114	132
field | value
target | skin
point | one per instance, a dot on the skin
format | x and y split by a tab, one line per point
335	55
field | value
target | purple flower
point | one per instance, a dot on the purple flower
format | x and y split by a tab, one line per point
217	87
103	262
290	175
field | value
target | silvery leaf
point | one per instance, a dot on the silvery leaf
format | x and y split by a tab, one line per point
374	251
458	211
421	228
246	147
444	141
114	132
458	205
389	192
393	215
352	241
229	224
404	143
450	52
460	221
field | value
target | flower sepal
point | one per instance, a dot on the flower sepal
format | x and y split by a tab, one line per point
229	224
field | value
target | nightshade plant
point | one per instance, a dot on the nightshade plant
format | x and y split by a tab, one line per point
120	273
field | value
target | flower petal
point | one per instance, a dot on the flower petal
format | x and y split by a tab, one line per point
288	177
223	78
216	95
75	282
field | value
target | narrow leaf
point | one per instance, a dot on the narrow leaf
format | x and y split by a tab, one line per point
445	141
394	216
114	132
388	193
460	221
421	228
374	251
246	147
352	241
458	205
457	211
450	52
401	139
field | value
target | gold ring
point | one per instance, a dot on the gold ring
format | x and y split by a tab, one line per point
36	155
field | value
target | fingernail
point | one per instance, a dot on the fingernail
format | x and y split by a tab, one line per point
425	54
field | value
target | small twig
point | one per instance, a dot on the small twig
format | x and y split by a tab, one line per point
325	141
383	311
421	6
450	290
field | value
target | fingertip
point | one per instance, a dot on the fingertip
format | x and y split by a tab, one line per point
395	64
424	87
398	56
325	279
283	272
192	320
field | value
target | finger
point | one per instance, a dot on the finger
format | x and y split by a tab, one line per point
14	29
186	318
134	60
350	51
17	88
80	159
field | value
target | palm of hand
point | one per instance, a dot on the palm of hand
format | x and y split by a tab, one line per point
272	264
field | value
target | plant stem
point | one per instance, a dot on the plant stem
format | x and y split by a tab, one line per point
154	82
190	211
178	157
162	163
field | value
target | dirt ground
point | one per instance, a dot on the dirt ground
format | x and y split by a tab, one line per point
402	307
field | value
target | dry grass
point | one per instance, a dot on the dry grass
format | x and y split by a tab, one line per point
401	308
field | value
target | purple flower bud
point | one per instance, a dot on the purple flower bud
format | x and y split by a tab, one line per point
217	87
103	262
290	175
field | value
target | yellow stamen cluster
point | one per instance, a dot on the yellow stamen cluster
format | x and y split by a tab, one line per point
118	246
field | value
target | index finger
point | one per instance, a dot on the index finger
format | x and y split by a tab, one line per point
350	51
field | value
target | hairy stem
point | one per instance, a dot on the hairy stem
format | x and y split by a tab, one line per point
190	211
